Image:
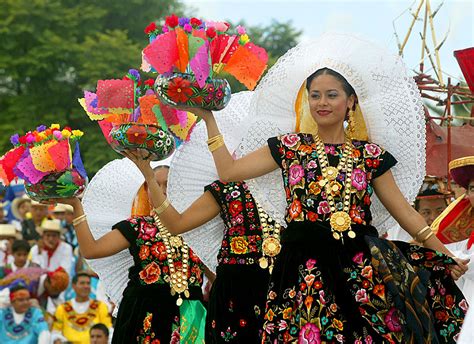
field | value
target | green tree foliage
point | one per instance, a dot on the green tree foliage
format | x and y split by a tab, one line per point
52	50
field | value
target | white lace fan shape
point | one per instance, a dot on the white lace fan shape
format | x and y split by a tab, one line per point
388	98
192	168
108	200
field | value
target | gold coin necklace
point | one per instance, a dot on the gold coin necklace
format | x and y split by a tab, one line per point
340	220
271	246
178	277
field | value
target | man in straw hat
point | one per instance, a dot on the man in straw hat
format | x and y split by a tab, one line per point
65	213
29	227
8	235
52	252
20	208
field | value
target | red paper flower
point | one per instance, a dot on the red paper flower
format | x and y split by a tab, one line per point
211	32
136	135
195	22
149	82
172	21
179	91
150	28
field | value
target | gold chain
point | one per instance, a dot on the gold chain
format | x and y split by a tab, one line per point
340	220
178	278
271	246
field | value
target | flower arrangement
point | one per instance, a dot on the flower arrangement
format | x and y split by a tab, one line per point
131	116
189	53
48	159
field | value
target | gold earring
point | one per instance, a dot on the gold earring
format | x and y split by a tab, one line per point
350	124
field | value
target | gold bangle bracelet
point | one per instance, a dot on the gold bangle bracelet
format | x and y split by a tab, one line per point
79	219
421	233
214	139
162	207
427	237
216	145
77	223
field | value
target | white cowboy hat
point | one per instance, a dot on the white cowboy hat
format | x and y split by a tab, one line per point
7	230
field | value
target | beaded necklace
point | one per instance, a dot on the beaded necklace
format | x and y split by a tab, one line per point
340	220
271	246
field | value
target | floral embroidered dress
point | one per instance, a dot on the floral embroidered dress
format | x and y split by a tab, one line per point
238	295
360	290
148	312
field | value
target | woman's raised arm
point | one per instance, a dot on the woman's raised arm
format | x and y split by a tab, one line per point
204	209
255	164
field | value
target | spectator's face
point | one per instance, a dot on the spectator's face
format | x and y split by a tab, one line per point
69	217
39	212
20	258
470	192
21	304
59	215
98	337
51	239
24	208
82	286
430	209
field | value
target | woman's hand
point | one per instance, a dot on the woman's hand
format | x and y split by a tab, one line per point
141	158
460	268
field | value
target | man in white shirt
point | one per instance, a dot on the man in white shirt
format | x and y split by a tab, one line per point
54	252
8	234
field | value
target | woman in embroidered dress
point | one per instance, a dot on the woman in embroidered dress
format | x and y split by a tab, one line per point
150	311
335	280
238	295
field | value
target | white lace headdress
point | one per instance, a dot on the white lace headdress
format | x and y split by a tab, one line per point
387	95
192	168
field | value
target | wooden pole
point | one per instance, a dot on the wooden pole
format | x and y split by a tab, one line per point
411	27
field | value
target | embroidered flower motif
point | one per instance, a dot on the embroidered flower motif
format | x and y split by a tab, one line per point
379	290
309	334
158	250
309	279
287	313
296	173
323	208
373	150
310	263
338	324
361	296
311	164
359	179
313	217
235	208
367	272
147	322
463	305
144	252
147	230
392	320
295	209
290	140
151	273
239	245
314	188
358	258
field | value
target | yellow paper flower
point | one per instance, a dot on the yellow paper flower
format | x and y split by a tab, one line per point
77	133
66	133
55	126
244	38
42	135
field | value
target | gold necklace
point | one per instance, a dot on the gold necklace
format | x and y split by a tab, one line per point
271	245
340	220
178	280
